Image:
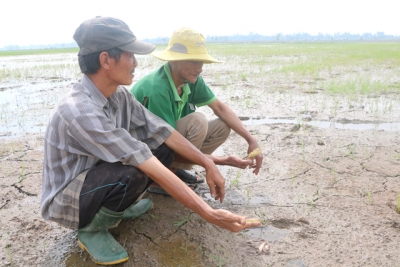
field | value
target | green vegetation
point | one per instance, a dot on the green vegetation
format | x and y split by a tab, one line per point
262	216
22	176
337	68
324	55
182	221
235	182
219	258
368	196
332	78
38	52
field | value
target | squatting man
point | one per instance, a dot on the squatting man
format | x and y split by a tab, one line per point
174	90
102	148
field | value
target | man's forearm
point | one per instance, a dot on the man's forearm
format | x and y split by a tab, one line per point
175	187
233	161
226	114
182	193
183	147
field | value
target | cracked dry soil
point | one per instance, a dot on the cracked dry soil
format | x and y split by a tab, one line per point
333	192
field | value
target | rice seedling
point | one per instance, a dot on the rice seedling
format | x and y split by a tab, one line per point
9	254
293	176
368	196
247	103
262	216
219	258
235	182
334	108
324	157
22	176
182	221
333	177
351	151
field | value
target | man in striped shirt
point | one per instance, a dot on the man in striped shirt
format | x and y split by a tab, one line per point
102	148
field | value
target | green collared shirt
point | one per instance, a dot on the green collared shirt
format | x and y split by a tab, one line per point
180	100
157	92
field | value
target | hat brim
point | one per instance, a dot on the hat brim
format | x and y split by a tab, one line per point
138	47
167	55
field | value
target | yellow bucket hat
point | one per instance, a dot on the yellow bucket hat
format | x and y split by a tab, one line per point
186	44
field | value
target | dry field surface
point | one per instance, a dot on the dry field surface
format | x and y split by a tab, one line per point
327	193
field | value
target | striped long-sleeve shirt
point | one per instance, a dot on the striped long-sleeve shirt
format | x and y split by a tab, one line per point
86	127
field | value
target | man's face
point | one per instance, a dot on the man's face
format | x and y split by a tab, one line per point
189	70
122	72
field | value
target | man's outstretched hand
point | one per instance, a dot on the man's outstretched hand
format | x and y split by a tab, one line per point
232	222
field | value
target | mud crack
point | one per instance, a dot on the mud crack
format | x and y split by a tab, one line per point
146	236
378	172
293	177
19	188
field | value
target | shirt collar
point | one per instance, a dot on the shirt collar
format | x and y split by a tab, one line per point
97	96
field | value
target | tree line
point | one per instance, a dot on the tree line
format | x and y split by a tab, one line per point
297	37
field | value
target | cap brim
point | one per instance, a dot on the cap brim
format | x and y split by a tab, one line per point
138	47
173	56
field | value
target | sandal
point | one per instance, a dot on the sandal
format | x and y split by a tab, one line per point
155	188
189	177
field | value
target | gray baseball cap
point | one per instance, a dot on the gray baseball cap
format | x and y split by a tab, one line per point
103	33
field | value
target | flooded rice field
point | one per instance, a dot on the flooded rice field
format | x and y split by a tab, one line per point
327	193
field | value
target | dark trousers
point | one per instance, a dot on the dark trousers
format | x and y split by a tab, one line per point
115	186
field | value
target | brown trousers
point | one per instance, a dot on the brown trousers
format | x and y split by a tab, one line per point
206	135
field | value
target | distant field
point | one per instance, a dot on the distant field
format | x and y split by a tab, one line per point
335	67
335	80
38	52
339	52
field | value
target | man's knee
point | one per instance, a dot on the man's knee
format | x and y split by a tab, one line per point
195	122
164	154
198	119
113	172
220	128
193	127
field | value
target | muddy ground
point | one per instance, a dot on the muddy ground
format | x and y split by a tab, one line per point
326	197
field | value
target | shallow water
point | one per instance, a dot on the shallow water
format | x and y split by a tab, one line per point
268	233
295	263
344	125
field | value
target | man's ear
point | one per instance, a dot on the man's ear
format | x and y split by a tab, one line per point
104	59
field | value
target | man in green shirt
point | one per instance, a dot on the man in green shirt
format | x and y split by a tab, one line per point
173	92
